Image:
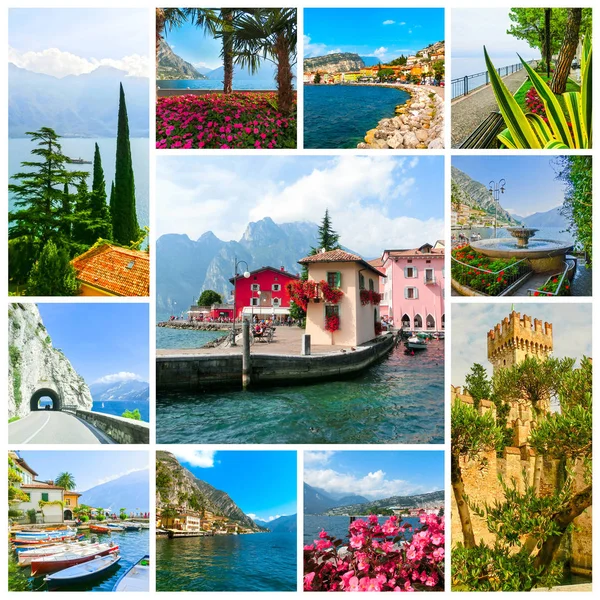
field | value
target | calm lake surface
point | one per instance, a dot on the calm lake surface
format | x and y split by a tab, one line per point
167	338
260	562
19	150
118	408
133	545
338	526
215	84
400	400
339	116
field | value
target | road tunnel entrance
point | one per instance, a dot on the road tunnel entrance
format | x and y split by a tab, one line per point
45	399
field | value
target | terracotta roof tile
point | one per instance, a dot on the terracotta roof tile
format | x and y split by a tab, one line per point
116	270
331	256
41	485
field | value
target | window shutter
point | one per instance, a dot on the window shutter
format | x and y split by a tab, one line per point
406	292
405	273
338	279
415	272
416	293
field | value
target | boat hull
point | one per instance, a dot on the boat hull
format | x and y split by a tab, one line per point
39	567
79	574
136	578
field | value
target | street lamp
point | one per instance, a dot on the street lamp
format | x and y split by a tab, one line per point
246	274
495	189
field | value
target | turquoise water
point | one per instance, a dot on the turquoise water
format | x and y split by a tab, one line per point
339	116
132	546
400	400
19	150
258	562
215	84
167	338
118	407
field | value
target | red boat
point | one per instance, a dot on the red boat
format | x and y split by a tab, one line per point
42	542
99	529
57	562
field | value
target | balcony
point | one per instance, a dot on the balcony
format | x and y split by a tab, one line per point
429	279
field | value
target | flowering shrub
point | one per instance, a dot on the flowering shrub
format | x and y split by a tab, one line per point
370	297
377	558
534	103
503	272
302	292
551	286
331	294
332	323
237	120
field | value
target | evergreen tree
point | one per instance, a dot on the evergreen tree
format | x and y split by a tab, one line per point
52	274
66	210
209	297
100	223
81	215
328	238
122	208
478	384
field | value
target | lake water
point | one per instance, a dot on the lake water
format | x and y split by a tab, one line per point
259	562
216	84
543	233
19	150
399	400
338	526
118	408
339	116
167	338
132	546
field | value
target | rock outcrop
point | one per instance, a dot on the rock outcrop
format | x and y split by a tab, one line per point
418	124
177	488
339	62
35	365
171	66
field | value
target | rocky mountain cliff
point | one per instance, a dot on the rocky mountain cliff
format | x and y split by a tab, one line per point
334	63
285	524
184	267
178	487
34	364
476	195
171	66
429	500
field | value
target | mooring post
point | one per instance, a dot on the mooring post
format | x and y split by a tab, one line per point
305	344
246	354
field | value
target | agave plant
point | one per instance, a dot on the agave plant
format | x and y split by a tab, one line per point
528	130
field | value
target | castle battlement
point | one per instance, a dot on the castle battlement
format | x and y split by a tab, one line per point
515	338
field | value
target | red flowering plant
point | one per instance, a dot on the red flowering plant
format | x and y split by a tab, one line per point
370	297
551	287
534	103
332	323
331	295
378	558
302	292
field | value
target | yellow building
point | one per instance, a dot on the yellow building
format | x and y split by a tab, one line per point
184	520
71	500
350	274
351	76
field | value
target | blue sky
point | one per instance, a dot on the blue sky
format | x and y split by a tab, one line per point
63	41
262	483
101	340
88	467
374	201
190	42
384	33
571	328
531	184
375	474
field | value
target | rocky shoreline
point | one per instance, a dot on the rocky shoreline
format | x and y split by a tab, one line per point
419	122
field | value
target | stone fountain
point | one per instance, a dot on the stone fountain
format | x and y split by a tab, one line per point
543	255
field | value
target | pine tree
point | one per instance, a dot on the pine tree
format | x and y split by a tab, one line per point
52	274
66	210
81	215
122	208
100	222
328	238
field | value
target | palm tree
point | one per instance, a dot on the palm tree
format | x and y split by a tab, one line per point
269	34
65	480
166	20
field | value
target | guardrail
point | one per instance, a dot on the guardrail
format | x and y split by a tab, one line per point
563	280
462	86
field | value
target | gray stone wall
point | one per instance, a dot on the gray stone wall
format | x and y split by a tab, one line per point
119	429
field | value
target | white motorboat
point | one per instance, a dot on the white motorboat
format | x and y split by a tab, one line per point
85	571
25	558
415	343
136	578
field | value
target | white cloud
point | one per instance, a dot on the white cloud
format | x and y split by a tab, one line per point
58	63
380	52
316	48
121	376
374	485
113	477
264	519
389	22
205	459
317	457
203	65
402	23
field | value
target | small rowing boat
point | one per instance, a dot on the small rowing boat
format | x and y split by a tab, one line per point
136	578
99	529
415	343
25	558
115	527
92	569
131	526
70	558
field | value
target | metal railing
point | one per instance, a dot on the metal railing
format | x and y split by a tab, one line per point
511	273
563	280
461	86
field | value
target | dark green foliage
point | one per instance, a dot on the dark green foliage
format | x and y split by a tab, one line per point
52	274
15	362
400	61
209	297
122	207
31	515
66	211
101	226
81	215
22	254
478	384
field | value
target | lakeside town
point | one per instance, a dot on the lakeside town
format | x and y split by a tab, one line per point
64	539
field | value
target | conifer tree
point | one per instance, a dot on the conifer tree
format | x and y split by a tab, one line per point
52	274
66	209
328	238
81	215
100	222
122	208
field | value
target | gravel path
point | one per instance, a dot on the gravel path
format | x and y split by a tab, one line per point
469	111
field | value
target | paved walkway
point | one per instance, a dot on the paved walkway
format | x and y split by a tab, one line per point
469	111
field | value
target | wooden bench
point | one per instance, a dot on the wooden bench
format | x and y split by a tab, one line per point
486	134
266	335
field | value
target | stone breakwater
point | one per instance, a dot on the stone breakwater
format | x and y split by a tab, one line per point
198	326
419	123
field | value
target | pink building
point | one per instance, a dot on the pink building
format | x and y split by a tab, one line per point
413	287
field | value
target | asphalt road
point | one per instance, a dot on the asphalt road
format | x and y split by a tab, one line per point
53	427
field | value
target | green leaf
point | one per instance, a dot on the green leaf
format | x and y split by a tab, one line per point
540	127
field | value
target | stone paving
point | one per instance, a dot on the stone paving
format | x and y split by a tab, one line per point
469	111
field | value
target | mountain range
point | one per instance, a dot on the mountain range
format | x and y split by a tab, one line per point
549	218
429	500
171	66
476	195
318	501
285	524
120	390
84	105
130	492
184	267
335	63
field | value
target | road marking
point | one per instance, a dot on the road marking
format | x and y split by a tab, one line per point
32	436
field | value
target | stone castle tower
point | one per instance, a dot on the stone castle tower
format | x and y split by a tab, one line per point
511	341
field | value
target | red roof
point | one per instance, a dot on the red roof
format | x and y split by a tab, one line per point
41	485
275	270
417	251
118	271
334	256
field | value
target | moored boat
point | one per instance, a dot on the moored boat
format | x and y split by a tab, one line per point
115	527
84	572
415	343
136	578
131	526
25	558
99	529
56	562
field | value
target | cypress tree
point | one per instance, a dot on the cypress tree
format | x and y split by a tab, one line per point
52	274
100	222
122	208
65	225
81	215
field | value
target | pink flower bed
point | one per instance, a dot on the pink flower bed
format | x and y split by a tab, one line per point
237	120
377	559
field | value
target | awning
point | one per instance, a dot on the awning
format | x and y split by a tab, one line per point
265	310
